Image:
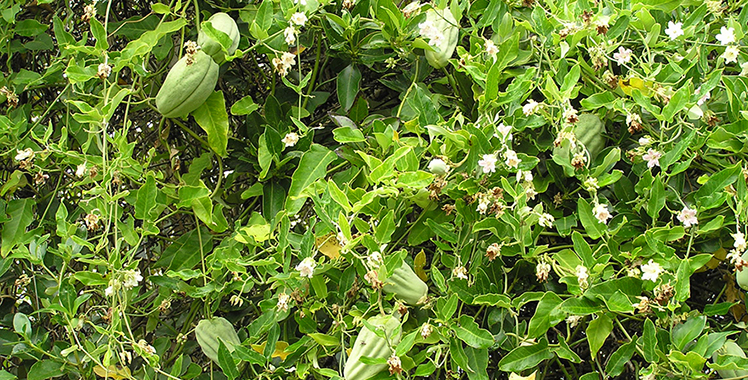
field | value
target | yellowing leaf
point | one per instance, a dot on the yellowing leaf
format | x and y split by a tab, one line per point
114	372
629	85
328	245
514	376
280	349
717	257
418	263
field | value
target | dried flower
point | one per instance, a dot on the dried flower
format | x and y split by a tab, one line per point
372	277
283	299
104	71
542	270
460	272
395	365
493	251
426	330
411	8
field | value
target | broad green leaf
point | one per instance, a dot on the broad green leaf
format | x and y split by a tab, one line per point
348	85
244	106
469	332
5	375
214	120
547	315
146	200
385	228
313	166
649	340
45	369
526	357
348	134
226	361
29	28
147	42
20	213
457	352
597	332
583	249
592	226
186	251
656	199
620	357
478	361
685	332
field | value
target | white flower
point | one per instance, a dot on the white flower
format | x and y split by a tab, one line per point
739	244
438	166
147	348
488	163
674	29
109	291
460	272
511	159
298	18
81	170
652	157
524	175
726	36
428	30
731	54
290	34
601	213
505	130
591	184
644	141
744	69
290	139
131	278
573	320
651	271
302	2
530	192
24	154
687	216
623	56
704	98
582	276
374	260
483	205
546	220
633	118
426	328
530	107
411	8
490	47
306	267
542	270
283	299
288	59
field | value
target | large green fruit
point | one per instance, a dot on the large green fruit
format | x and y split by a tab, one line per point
370	345
742	275
187	86
589	131
223	22
209	331
730	348
446	23
406	285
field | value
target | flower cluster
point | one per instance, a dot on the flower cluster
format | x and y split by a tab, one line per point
284	63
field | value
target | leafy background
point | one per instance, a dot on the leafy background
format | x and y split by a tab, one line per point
124	229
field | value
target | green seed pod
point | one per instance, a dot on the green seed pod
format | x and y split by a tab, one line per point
187	86
223	22
445	22
589	131
742	275
730	348
209	331
370	345
406	285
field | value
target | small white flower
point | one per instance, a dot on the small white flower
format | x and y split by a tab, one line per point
582	276
674	29
283	299
623	56
488	163
687	216
131	278
302	2
601	213
652	157
731	54
290	34
524	175
744	69
591	184
147	348
460	272
703	98
374	260
510	159
299	19
81	170
490	48
22	155
546	220
644	141
739	244
505	130
109	291
530	192
651	271
290	139
542	270
483	205
726	35
306	267
573	320
428	30
411	8
438	166
288	59
530	107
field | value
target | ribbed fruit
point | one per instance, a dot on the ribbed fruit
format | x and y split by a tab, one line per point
370	345
406	285
223	22
187	86
446	23
209	331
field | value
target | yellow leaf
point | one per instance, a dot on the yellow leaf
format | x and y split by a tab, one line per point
717	257
328	245
514	376
418	263
629	85
114	372
280	349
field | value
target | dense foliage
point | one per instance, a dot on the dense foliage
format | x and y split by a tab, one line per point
477	189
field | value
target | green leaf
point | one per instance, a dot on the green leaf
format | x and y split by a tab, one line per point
244	106
5	375
160	8
312	166
45	369
348	84
583	249
684	333
478	361
677	102
457	352
597	332
226	361
185	252
547	315
348	134
620	357
717	182
29	28
22	324
214	120
20	214
469	332
649	341
146	200
442	231
526	357
592	226
385	228
656	199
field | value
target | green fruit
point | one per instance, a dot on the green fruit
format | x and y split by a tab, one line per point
406	285
589	131
187	86
370	345
742	275
209	331
224	23
730	348
445	22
